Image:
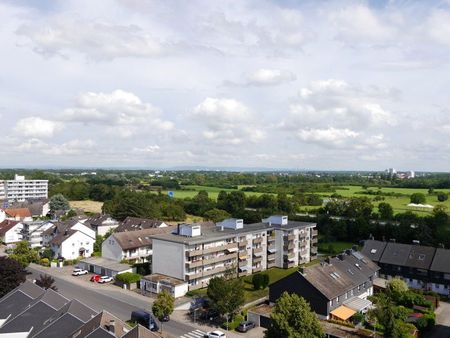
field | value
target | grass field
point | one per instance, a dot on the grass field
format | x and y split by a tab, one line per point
213	192
87	206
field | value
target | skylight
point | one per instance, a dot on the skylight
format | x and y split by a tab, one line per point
373	251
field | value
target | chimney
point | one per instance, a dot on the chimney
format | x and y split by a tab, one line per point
112	326
341	256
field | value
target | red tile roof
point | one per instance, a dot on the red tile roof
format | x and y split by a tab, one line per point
18	212
7	225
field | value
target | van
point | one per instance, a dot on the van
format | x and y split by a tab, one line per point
145	319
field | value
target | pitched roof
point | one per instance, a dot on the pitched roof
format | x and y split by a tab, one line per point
18	212
135	223
420	257
140	332
139	238
396	254
441	261
7	225
373	249
98	220
58	239
102	320
61	327
35	206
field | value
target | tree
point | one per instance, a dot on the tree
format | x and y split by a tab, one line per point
12	274
163	305
46	282
418	198
24	254
386	211
260	281
58	203
292	317
442	196
396	287
216	215
226	295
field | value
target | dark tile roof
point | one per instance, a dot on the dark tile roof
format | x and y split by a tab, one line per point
396	254
35	206
54	299
139	238
140	332
420	257
7	225
373	249
61	327
99	333
81	311
102	320
98	220
61	237
441	261
31	289
14	304
134	223
32	318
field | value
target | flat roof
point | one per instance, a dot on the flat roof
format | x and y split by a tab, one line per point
216	233
106	263
156	277
263	309
343	312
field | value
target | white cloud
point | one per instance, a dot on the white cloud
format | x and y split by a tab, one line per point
96	39
147	150
37	127
438	26
122	112
329	137
269	77
73	147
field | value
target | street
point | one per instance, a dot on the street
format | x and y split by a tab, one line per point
115	302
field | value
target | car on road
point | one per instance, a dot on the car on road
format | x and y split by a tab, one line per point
215	334
105	279
145	319
244	326
79	272
95	278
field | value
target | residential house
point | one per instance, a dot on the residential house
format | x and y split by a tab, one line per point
33	232
11	232
135	223
38	207
102	224
19	214
195	253
70	239
421	267
30	311
157	283
131	245
337	287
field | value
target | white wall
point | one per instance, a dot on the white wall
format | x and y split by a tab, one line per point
14	234
70	248
103	229
168	259
83	228
180	290
111	249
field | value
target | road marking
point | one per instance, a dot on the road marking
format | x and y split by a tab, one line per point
194	334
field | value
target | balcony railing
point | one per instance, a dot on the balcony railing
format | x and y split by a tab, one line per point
220	248
314	233
257	250
257	240
194	253
243	243
219	258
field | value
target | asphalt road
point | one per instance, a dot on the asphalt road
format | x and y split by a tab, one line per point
116	303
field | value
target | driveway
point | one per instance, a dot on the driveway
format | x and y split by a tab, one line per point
442	328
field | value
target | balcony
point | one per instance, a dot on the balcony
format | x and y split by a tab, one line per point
215	271
221	258
314	250
271	257
256	269
314	233
289	256
289	246
191	276
288	265
243	243
257	259
290	237
257	240
220	248
271	265
194	264
257	250
242	263
194	253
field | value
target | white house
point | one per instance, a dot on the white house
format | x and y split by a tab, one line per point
33	232
131	245
10	232
101	224
70	240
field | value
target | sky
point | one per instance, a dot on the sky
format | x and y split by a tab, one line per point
329	85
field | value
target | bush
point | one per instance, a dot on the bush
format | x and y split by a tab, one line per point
232	325
67	262
442	196
45	262
128	277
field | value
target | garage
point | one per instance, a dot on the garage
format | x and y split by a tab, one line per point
104	266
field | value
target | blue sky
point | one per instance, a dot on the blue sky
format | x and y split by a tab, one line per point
327	85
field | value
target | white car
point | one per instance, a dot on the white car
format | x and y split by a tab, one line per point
215	334
105	279
79	272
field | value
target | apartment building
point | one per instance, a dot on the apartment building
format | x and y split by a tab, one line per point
21	189
196	254
33	232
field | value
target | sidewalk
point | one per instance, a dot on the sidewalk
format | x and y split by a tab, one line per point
182	316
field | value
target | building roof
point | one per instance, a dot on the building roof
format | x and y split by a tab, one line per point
61	327
7	225
139	238
373	249
101	321
337	276
420	257
156	277
14	304
61	237
36	206
106	263
98	220
216	233
135	223
343	312
140	332
441	261
18	212
396	254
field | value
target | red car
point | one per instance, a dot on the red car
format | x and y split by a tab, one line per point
96	278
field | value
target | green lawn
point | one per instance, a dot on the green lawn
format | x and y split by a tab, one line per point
213	192
337	247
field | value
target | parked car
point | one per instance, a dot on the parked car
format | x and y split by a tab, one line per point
79	272
245	326
105	279
145	319
165	318
95	278
215	334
